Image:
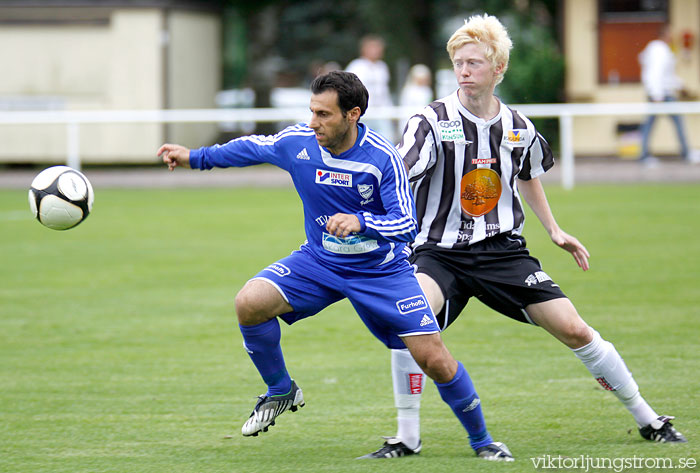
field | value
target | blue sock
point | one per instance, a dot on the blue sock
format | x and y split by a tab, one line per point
461	396
262	342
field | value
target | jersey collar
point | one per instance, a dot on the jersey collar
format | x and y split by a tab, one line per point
473	118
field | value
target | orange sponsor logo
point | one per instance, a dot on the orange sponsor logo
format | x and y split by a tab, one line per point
480	191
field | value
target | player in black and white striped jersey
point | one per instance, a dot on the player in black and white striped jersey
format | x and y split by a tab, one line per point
470	158
449	151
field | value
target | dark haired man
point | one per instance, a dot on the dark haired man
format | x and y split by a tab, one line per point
358	218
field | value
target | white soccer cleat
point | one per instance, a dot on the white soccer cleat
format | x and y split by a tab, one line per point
269	407
496	451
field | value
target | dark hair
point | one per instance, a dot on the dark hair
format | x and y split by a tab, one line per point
351	91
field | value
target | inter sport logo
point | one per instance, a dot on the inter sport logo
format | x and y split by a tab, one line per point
332	178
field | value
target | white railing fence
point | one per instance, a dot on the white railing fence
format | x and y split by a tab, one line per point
73	119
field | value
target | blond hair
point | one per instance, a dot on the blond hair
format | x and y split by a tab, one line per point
489	31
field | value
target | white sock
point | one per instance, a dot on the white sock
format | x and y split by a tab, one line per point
607	367
409	381
634	402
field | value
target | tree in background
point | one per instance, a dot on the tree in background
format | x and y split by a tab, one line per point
536	71
271	43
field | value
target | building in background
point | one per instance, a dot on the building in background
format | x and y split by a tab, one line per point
106	55
602	41
167	54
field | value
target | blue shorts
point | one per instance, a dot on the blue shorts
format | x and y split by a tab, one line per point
389	301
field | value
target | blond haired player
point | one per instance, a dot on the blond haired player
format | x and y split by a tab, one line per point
470	159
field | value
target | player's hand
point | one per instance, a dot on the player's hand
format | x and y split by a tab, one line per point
174	155
573	246
341	225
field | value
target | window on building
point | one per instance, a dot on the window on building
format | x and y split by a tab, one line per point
624	29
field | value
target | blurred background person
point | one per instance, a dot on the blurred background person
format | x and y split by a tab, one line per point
329	66
320	67
374	74
661	85
417	91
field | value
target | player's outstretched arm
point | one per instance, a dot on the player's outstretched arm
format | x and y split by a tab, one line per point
174	155
533	193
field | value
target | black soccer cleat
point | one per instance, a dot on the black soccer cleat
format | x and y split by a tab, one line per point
661	430
496	451
393	448
269	407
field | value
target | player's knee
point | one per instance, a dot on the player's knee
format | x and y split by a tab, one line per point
432	356
577	335
258	302
248	308
439	366
243	307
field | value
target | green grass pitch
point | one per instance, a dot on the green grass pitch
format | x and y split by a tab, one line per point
120	352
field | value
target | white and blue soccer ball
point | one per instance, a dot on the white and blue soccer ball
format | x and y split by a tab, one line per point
61	197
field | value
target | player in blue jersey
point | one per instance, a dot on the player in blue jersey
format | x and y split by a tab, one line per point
358	215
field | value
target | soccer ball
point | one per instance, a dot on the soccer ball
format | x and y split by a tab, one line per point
61	197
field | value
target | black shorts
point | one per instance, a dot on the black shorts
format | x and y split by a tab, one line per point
499	272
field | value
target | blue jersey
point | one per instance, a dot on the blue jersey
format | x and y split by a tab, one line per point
369	180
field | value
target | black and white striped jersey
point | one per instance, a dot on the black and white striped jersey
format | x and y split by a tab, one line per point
463	171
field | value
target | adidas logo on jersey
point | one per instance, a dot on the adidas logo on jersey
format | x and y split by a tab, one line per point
426	321
303	154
